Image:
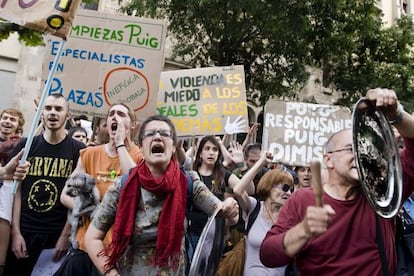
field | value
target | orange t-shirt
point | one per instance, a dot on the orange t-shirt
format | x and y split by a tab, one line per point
105	169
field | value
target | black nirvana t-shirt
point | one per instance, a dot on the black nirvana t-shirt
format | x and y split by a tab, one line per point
51	165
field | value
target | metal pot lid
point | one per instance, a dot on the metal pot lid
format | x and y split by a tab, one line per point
209	248
377	158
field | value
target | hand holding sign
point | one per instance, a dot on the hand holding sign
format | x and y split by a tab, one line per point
237	126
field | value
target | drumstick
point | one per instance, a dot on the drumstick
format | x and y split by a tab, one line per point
316	182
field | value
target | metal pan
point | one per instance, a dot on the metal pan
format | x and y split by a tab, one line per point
377	159
209	248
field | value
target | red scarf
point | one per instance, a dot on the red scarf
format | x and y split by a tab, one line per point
171	221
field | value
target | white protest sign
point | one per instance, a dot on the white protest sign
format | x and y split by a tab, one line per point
54	17
296	132
109	59
204	101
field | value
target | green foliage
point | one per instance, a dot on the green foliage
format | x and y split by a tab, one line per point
385	60
276	39
248	32
29	37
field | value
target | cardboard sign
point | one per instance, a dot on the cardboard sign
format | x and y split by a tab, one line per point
297	132
204	101
109	59
54	17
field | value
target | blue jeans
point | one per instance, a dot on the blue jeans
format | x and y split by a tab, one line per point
191	245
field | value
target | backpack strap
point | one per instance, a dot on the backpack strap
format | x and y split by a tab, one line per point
381	247
252	217
124	179
189	188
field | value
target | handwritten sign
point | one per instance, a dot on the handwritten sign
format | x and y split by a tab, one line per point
109	59
297	132
204	101
54	17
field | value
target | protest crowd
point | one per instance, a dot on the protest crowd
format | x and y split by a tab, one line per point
155	175
112	206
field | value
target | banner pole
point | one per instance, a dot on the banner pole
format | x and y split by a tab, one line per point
39	110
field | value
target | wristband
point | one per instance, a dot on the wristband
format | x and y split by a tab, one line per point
120	146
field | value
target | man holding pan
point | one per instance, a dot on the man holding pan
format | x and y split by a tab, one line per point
339	233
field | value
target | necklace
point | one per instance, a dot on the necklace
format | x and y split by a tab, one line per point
269	214
208	177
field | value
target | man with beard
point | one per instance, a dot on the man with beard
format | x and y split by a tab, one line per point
10	121
104	163
39	219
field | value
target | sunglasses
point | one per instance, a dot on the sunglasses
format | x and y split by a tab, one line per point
285	187
166	133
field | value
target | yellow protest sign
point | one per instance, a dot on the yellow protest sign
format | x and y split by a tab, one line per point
204	101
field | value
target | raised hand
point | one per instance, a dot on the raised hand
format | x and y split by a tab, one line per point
235	127
236	150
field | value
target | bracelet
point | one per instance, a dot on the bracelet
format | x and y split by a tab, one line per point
120	146
398	118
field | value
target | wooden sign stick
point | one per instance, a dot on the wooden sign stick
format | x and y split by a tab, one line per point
316	182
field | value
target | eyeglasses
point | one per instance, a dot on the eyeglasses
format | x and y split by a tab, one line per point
285	187
152	132
346	149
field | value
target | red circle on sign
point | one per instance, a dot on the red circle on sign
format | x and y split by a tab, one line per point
123	78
